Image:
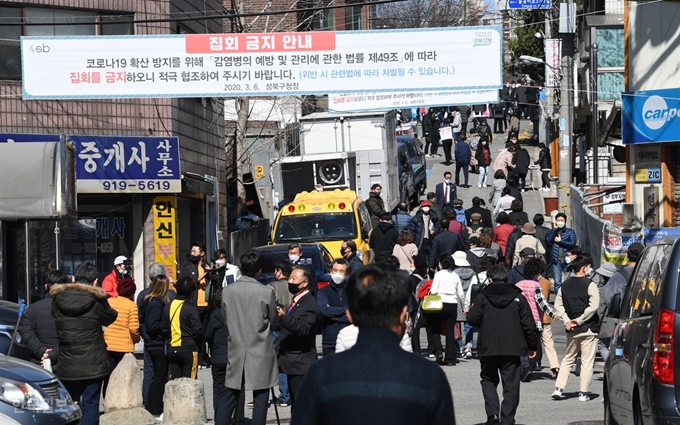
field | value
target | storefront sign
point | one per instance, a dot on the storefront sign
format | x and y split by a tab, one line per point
360	102
648	175
222	65
614	207
165	233
647	161
107	164
651	116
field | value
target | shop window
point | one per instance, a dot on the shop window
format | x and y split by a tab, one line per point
610	85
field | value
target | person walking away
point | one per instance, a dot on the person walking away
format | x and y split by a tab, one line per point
527	240
545	163
521	160
577	302
151	315
80	312
464	112
297	346
405	250
446	136
348	250
532	290
282	270
445	193
513	128
506	332
378	306
332	304
38	330
479	207
402	220
498	118
375	204
502	232
483	156
120	271
455	226
467	277
497	187
445	243
383	238
181	324
560	238
249	310
463	155
447	284
122	335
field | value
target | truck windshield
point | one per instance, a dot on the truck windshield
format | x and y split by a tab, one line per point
316	227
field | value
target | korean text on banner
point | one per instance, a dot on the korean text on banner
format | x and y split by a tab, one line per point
165	233
359	102
615	243
219	65
553	52
127	164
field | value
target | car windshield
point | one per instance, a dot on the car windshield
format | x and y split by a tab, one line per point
316	227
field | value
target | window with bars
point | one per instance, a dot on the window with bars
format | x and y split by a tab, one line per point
88	23
354	17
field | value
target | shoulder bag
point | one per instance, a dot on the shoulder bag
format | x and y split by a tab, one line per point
432	303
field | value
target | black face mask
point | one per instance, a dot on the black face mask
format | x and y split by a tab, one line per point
195	258
293	288
342	252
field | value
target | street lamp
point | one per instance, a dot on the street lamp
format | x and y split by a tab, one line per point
533	60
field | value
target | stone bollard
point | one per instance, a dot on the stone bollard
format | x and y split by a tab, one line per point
125	386
184	402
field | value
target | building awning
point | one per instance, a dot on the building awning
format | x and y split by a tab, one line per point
615	20
195	183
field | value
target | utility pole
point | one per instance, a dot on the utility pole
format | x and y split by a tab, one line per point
594	119
242	110
545	119
566	103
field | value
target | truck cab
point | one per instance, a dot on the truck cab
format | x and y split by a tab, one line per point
328	218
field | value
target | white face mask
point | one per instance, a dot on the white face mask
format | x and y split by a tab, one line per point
447	181
293	258
426	209
338	278
221	263
483	143
567	260
560	224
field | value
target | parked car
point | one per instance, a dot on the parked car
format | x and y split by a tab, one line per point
641	373
31	395
314	256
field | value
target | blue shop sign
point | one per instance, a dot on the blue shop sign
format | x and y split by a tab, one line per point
655	233
106	164
651	116
28	138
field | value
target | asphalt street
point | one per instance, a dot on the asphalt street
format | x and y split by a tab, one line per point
536	406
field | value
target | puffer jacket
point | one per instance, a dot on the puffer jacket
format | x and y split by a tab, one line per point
544	161
79	312
122	335
568	240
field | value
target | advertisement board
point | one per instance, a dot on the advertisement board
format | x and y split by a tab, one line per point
107	164
219	65
553	57
650	116
615	243
165	233
359	102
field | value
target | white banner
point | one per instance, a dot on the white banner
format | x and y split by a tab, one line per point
219	65
553	57
359	102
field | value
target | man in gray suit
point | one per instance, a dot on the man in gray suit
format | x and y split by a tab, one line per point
249	309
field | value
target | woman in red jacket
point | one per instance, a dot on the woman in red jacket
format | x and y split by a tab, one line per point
502	232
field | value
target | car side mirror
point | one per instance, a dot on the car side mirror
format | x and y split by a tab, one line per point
615	307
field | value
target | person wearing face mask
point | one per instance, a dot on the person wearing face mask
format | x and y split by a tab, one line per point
348	251
569	257
197	269
445	192
296	259
297	340
577	303
378	305
483	156
282	270
120	271
225	273
332	305
425	223
560	238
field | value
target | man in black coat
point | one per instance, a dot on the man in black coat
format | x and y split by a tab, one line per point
348	250
297	340
521	160
446	242
37	325
383	238
507	332
375	204
375	382
478	206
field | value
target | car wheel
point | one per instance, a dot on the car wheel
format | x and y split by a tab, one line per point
637	411
608	418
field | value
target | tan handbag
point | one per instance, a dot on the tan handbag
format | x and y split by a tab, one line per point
432	303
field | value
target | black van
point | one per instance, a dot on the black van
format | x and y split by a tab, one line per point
641	372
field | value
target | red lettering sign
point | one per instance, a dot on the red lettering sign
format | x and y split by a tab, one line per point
258	43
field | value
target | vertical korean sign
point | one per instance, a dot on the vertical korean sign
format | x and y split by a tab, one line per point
127	164
165	233
553	52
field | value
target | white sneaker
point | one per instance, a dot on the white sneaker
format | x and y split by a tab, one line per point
467	353
479	186
557	394
485	186
427	155
583	397
159	418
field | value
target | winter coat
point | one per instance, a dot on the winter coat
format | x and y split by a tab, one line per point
355	263
431	128
503	315
503	162
468	277
217	333
484	130
568	241
376	206
182	326
498	110
497	191
150	316
544	161
110	283
528	288
445	243
527	241
382	241
518	218
462	152
122	335
464	111
501	234
39	331
484	212
457	123
80	311
402	220
521	160
419	226
332	304
479	155
249	310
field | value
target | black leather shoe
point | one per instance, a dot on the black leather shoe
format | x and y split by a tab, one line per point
439	358
450	362
490	420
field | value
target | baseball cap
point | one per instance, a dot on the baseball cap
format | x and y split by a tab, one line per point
635	250
425	203
119	260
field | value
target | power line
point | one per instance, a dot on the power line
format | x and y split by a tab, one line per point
196	18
